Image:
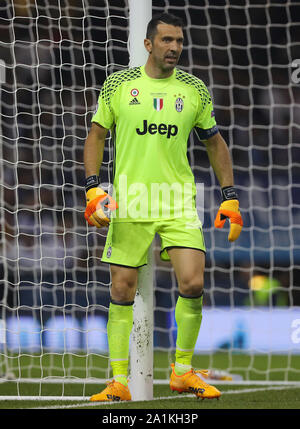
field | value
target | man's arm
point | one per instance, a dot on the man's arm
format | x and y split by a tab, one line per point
220	160
99	203
93	149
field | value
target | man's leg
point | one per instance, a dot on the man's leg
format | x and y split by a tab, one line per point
189	269
120	318
119	326
125	251
188	265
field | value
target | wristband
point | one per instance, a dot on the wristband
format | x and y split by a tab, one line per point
229	193
91	182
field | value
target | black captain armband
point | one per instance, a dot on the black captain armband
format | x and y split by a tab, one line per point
91	182
206	134
229	193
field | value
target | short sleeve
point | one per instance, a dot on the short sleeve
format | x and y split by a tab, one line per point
104	114
205	123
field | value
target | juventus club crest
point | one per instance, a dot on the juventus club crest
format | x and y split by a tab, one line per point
179	104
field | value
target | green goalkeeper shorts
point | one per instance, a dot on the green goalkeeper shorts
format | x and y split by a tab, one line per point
127	243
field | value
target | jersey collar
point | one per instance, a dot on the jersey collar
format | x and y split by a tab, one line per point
166	79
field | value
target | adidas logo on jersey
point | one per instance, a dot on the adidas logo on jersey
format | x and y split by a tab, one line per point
134	101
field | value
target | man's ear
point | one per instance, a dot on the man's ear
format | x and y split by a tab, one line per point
148	45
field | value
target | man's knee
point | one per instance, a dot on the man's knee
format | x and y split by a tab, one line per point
192	286
124	284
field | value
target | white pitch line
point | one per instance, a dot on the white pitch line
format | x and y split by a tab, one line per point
65	380
262	389
228	392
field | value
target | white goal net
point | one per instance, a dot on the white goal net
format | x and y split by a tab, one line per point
54	295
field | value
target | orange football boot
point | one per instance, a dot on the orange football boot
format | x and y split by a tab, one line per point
191	383
114	391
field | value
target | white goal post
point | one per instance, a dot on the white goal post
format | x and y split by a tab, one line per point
141	351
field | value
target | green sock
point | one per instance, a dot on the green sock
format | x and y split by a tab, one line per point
119	326
188	315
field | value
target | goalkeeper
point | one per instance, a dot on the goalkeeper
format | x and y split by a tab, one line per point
150	112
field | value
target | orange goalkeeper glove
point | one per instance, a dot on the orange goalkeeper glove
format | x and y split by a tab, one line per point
98	204
229	209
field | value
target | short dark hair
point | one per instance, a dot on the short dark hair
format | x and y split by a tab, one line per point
165	18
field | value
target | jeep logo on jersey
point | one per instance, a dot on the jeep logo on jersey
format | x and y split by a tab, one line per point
169	130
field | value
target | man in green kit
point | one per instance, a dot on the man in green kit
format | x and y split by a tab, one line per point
150	111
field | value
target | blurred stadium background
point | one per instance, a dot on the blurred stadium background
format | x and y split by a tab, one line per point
54	288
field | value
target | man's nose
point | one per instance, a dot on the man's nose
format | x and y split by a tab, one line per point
174	46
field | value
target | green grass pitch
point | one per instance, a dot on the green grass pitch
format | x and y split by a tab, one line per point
276	369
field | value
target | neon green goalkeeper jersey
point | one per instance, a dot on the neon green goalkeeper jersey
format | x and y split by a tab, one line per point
150	122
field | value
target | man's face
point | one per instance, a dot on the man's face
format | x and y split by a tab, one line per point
166	46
